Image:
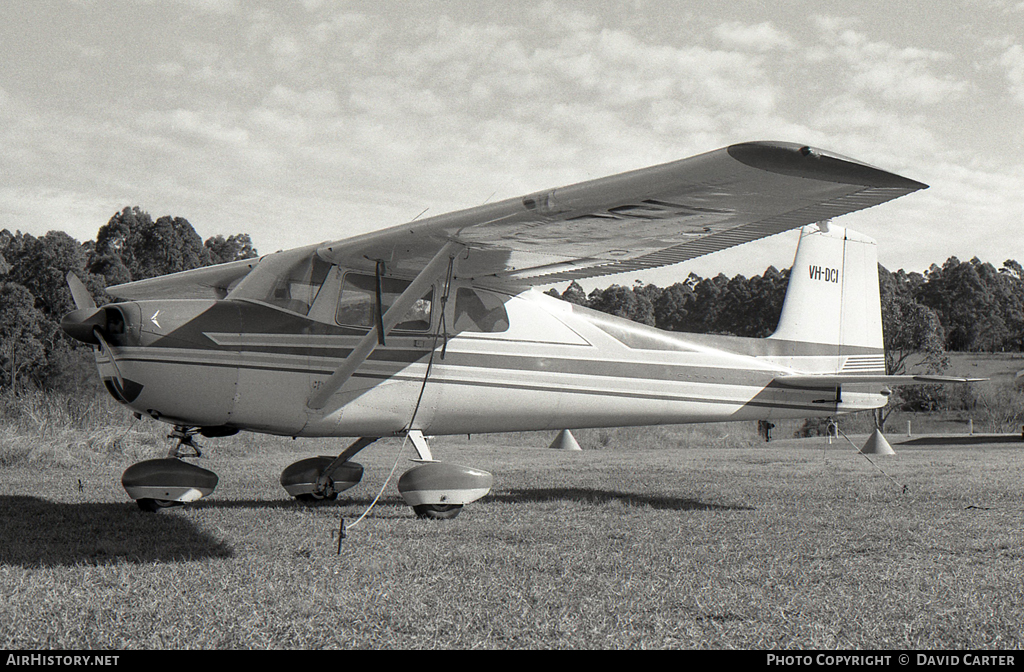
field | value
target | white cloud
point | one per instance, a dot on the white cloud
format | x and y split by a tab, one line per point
1012	60
906	74
213	6
354	116
204	126
41	209
319	102
761	37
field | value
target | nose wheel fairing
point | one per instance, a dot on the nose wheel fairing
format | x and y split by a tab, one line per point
165	481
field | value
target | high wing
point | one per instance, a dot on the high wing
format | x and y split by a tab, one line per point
632	221
637	220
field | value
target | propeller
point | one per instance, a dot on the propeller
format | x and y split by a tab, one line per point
82	323
87	322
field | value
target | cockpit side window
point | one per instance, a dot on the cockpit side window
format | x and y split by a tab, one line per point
358	294
479	311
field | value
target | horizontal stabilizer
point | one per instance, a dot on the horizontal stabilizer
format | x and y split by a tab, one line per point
829	381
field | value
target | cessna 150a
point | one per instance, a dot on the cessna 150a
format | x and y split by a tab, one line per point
432	327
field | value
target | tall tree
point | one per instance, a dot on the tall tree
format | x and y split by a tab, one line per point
908	329
673	306
41	265
20	330
574	294
623	302
233	248
970	299
146	248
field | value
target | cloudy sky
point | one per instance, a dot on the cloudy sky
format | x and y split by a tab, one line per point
312	120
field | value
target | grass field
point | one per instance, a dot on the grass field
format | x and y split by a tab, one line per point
649	538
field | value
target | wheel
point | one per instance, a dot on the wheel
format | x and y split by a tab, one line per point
314	497
437	511
154	505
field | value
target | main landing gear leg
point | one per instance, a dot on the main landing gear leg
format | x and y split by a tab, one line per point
161	483
320	478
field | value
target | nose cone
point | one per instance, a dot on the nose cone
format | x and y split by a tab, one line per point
81	324
118	324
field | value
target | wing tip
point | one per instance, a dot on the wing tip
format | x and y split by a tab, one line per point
790	158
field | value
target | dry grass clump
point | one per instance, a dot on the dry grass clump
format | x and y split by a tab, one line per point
49	428
998	408
711	436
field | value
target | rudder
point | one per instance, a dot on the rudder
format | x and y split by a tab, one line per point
833	296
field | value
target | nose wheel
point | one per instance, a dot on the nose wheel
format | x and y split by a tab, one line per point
437	511
153	505
170	481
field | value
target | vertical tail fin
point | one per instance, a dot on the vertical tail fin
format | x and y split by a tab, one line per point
833	299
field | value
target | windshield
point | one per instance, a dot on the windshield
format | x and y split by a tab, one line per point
289	280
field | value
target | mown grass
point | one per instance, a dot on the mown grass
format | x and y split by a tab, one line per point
653	538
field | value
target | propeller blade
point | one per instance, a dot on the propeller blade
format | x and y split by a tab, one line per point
79	292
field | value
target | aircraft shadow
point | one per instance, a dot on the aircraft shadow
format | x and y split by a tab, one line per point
595	497
36	532
358	504
963	440
395	507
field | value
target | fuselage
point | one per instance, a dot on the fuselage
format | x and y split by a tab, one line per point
498	362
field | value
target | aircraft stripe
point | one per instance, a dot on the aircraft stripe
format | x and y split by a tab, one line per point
735	401
637	371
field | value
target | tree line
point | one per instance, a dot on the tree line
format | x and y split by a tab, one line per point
959	306
736	306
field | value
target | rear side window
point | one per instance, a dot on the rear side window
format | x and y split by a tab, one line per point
479	311
358	294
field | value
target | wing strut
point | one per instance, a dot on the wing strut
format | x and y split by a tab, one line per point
378	306
434	269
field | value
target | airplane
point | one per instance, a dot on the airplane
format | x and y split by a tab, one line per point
435	327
